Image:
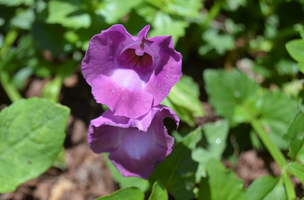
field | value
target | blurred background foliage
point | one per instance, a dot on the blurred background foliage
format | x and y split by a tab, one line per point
259	82
49	38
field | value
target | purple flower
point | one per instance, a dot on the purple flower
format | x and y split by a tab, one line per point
135	145
131	74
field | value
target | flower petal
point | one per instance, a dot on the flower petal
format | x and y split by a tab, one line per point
124	97
167	70
140	70
102	50
132	151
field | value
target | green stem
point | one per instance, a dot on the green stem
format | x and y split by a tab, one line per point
9	88
277	156
214	11
291	195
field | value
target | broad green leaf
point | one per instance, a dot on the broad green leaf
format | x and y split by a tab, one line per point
113	10
220	183
215	135
276	111
159	192
124	194
162	23
31	136
177	173
296	49
125	182
68	13
295	136
266	188
227	90
16	2
184	8
297	170
185	94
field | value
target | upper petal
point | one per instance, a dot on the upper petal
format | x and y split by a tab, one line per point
131	74
167	70
102	51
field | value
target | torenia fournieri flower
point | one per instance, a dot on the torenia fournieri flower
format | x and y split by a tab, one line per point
136	146
131	74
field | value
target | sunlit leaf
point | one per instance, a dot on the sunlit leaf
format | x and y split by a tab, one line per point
297	170
31	136
213	145
68	13
227	90
296	49
16	2
295	136
185	8
220	183
276	111
159	192
185	93
162	23
265	188
124	194
24	19
113	10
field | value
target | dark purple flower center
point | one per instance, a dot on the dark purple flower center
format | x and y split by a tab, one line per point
137	59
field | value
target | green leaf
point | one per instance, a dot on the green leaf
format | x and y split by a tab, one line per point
68	13
51	90
286	67
125	182
185	8
276	111
215	135
16	2
183	113
124	194
185	93
113	10
191	139
296	49
266	188
220	183
227	90
162	23
295	136
220	42
301	66
177	173
159	192
31	136
24	19
297	170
